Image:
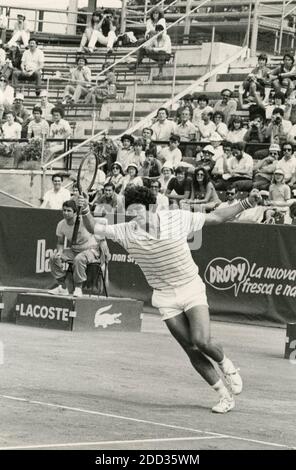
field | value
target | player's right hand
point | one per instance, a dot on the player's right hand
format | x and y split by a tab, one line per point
82	201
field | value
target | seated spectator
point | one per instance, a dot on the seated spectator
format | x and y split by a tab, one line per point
227	105
22	114
156	17
147	133
140	153
79	82
278	100
206	161
258	78
186	130
3	25
171	155
240	169
38	127
107	202
256	134
279	191
59	129
179	187
131	178
55	197
220	167
106	90
264	169
162	202
283	75
116	177
202	106
236	131
159	50
151	166
12	62
288	163
126	154
31	66
102	30
6	96
46	106
254	215
11	130
163	127
185	103
221	128
167	173
231	198
279	128
203	193
206	127
21	32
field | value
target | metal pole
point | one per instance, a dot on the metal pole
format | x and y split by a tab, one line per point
134	102
282	26
293	36
247	40
145	10
43	176
212	48
93	124
254	37
174	78
123	16
187	19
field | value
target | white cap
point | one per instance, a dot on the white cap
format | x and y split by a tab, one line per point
19	96
209	148
43	93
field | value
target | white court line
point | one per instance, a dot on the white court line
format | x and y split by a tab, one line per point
153	423
100	443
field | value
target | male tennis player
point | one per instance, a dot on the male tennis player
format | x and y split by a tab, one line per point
158	243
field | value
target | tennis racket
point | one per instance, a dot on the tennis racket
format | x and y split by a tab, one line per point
86	177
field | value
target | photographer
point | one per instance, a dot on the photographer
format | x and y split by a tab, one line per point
279	128
256	134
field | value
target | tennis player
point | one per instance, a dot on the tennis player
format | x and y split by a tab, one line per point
158	243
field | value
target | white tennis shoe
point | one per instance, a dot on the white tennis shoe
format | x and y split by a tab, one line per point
225	404
59	290
77	292
232	377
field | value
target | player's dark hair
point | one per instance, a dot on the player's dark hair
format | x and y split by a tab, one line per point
56	109
71	204
57	175
109	185
138	195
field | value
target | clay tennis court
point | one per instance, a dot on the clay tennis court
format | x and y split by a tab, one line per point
104	390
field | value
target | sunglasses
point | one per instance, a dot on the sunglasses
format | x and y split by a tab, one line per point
273	153
200	174
229	193
3	80
226	96
287	149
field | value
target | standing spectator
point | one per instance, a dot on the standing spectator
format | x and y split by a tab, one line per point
116	177
171	155
46	106
102	30
167	173
227	105
22	114
203	193
55	197
38	127
159	50
21	32
163	128
202	106
31	66
162	202
240	169
80	82
236	131
179	187
6	96
156	17
283	75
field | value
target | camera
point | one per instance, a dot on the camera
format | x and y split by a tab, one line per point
278	120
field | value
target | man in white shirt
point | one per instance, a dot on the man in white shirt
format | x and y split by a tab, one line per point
55	198
186	130
59	129
31	66
163	128
80	82
171	155
11	130
288	162
159	49
46	106
38	127
240	169
162	201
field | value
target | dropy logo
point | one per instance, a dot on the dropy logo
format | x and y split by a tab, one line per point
106	319
223	274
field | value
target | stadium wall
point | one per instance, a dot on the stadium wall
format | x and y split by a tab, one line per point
249	269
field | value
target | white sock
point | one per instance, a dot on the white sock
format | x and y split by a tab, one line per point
221	389
225	364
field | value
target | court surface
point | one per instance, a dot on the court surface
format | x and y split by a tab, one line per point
104	390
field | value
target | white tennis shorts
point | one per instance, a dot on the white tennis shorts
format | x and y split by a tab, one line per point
173	301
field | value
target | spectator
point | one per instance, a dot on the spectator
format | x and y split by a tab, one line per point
240	169
231	198
102	30
278	101
31	66
163	128
3	25
186	130
279	128
147	133
236	131
46	106
151	166
11	129
55	197
206	162
21	32
38	127
80	82
13	62
171	155
264	169
255	214
159	50
227	105
287	163
283	75
2	56
6	96
185	103
179	187
279	191
59	129
221	128
156	17
258	78
167	173
116	177
107	203
220	167
202	106
257	134
106	90
132	178
22	114
139	152
252	103
126	154
162	202
206	126
203	193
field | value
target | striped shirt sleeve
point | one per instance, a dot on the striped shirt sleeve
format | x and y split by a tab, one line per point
193	221
117	232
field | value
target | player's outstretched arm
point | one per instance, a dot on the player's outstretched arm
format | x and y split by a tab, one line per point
88	220
227	213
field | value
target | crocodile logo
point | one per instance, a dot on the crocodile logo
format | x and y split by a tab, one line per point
106	319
